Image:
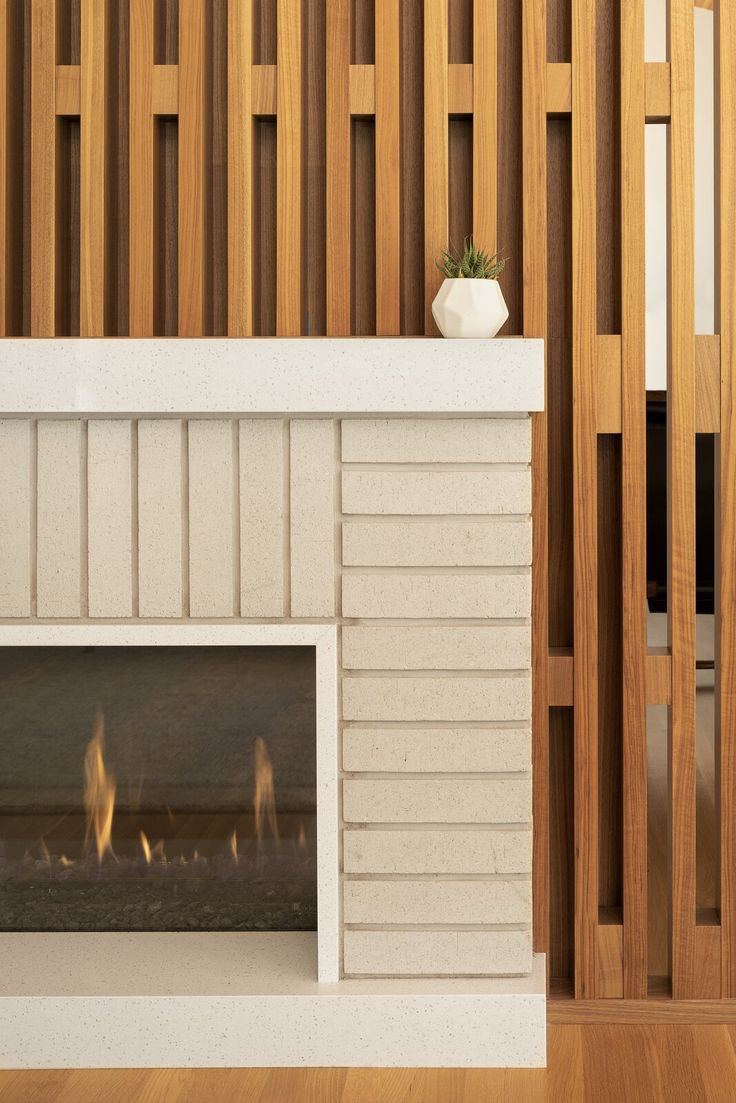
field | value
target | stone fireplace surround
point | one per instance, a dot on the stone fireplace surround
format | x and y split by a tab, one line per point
370	498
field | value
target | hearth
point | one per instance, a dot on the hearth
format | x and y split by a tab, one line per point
157	789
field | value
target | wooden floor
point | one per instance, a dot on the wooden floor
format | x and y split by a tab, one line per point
597	1064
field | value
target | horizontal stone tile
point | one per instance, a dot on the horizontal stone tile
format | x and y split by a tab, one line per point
436	698
436	750
447	800
437	851
437	953
444	440
436	492
436	596
425	902
428	648
437	543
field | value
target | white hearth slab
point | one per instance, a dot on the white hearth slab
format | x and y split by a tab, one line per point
246	1000
257	375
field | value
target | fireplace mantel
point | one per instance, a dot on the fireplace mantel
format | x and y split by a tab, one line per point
265	375
370	496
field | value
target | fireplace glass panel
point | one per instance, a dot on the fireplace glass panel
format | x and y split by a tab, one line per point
157	788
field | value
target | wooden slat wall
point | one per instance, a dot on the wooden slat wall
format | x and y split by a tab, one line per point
295	167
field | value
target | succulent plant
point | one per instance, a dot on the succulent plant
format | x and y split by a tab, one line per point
471	264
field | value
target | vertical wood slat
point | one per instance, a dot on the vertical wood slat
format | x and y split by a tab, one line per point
43	168
240	168
59	519
15	511
388	176
141	165
160	518
262	537
288	168
338	158
109	518
192	181
725	38
534	260
92	168
436	184
212	487
633	501
585	489
681	493
485	124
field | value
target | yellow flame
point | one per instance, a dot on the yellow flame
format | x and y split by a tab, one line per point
99	793
264	801
66	862
233	840
302	840
45	852
145	847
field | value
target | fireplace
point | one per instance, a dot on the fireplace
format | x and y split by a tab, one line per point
265	674
157	789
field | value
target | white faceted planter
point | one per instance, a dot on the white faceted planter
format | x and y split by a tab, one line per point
469	308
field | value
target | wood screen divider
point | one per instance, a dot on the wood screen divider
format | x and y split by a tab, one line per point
141	242
92	167
43	168
289	168
192	183
436	152
240	169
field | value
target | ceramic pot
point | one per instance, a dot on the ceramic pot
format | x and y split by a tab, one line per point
469	308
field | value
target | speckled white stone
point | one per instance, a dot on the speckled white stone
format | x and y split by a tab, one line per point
492	491
436	596
436	750
247	1000
436	698
423	902
442	800
424	543
423	440
496	647
299	375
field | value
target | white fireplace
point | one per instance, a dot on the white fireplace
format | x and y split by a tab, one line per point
367	499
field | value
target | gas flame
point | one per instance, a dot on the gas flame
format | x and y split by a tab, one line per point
233	840
302	840
99	793
145	847
264	801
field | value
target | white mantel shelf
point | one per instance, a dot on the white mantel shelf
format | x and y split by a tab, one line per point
392	375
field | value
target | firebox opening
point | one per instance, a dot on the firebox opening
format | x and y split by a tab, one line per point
157	788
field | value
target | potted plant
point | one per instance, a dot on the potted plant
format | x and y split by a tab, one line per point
470	302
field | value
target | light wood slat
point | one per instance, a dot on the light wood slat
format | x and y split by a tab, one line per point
707	383
534	229
585	492
485	113
59	519
192	182
436	184
657	91
141	169
362	90
633	504
460	89
610	961
4	108
264	90
559	88
608	382
92	169
560	674
68	89
239	169
160	518
726	483
656	83
109	518
43	168
681	503
16	501
165	90
339	76
289	168
388	169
